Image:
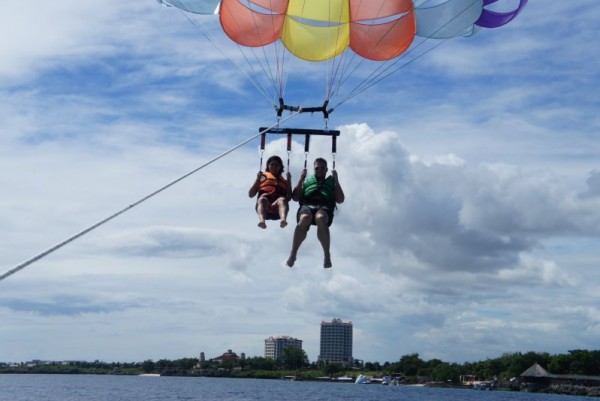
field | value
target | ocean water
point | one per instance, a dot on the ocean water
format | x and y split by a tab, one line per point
136	388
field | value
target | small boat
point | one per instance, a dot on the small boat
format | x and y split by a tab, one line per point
386	380
362	379
487	385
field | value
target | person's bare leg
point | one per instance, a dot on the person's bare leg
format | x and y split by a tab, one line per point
324	237
299	236
283	210
261	210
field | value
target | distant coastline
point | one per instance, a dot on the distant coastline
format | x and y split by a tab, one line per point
576	373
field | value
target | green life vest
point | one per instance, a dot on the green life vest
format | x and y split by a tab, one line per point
319	192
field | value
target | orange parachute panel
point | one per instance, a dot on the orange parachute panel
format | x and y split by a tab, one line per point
381	29
253	27
364	10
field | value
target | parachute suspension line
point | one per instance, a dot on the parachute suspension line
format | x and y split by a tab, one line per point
263	139
382	67
346	71
332	64
266	70
289	149
386	69
120	212
338	64
333	150
285	75
361	60
263	64
208	36
279	51
275	80
283	71
306	149
307	134
349	71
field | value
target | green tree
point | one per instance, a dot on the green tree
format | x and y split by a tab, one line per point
445	372
162	365
261	363
148	366
521	362
427	368
410	364
185	363
584	362
372	366
242	361
330	369
294	358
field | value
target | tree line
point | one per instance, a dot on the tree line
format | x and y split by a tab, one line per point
411	366
509	365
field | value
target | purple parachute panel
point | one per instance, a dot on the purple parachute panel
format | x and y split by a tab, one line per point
493	19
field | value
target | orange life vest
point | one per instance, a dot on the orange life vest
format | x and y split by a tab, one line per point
271	185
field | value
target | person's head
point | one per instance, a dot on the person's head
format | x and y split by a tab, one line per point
320	166
274	165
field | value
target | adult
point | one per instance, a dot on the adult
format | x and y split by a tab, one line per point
273	193
318	195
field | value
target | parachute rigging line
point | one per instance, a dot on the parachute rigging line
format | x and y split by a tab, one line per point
342	71
353	66
265	65
386	68
340	68
382	73
321	30
208	36
56	247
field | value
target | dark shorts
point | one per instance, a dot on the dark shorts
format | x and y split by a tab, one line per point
312	210
273	210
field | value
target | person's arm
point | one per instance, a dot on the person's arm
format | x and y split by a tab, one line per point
254	188
338	192
299	189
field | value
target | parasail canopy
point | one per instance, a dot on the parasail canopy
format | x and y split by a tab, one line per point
318	30
377	30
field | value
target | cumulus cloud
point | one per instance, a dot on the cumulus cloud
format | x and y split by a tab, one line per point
452	216
593	185
41	45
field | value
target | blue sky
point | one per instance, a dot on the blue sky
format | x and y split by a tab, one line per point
472	181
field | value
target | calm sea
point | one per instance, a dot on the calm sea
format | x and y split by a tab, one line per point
134	388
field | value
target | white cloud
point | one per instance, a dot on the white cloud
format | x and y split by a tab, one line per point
42	33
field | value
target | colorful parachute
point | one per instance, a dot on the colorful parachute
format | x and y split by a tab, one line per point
378	30
318	30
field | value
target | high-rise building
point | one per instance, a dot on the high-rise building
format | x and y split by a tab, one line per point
274	346
336	342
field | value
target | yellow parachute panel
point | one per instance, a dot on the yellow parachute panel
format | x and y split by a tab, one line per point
316	30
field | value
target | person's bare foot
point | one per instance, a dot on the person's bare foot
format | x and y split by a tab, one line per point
262	225
290	262
327	262
283	223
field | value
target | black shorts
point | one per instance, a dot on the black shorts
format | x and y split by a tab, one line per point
312	210
273	210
